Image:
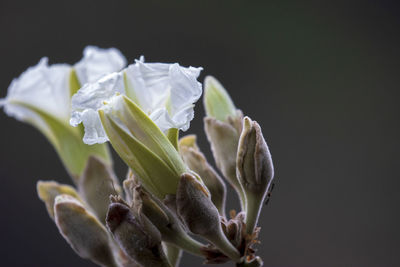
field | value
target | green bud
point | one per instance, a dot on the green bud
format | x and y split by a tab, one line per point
255	169
197	162
223	138
145	149
136	235
86	235
217	101
49	190
200	215
96	184
156	176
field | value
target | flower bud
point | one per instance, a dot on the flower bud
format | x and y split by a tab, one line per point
255	169
254	163
166	220
200	215
96	184
223	138
217	101
144	148
86	235
136	235
49	190
197	162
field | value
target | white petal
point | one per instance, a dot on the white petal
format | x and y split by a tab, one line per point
185	90
97	62
91	98
43	87
165	92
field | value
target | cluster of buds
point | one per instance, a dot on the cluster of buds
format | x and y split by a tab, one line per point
172	199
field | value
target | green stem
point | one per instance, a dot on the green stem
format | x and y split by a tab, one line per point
253	210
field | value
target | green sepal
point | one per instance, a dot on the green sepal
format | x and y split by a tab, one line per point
173	137
148	133
217	102
157	177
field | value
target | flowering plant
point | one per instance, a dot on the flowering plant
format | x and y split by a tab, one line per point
171	193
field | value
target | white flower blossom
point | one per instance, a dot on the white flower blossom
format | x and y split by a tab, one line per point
46	87
165	92
41	96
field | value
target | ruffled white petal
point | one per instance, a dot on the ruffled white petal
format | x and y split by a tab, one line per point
47	87
97	62
166	92
91	98
43	87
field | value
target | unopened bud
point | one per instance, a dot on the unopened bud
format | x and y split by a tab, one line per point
254	163
200	214
255	170
136	235
165	219
224	138
86	235
217	101
197	162
96	184
49	190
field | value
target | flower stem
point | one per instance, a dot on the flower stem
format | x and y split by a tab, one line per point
253	210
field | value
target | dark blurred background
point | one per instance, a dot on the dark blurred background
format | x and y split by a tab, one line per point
321	77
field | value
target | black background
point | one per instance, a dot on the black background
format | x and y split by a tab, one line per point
321	77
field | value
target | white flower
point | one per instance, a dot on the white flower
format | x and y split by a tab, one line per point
41	96
165	92
46	88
